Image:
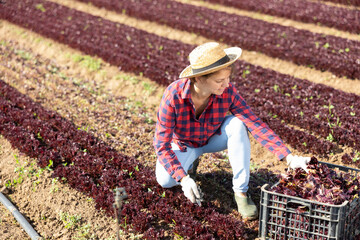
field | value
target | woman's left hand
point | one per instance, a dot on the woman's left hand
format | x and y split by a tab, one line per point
294	161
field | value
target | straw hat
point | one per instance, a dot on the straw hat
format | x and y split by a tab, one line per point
209	57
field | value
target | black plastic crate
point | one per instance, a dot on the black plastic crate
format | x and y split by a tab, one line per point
292	218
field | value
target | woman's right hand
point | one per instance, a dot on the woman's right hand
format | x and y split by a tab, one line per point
190	188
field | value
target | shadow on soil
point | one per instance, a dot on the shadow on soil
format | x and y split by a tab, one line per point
217	189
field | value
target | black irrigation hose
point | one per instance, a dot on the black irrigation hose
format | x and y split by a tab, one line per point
20	218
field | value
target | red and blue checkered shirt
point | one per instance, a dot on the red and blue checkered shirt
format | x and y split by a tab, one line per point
176	123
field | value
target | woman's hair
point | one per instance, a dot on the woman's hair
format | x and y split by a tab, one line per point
206	76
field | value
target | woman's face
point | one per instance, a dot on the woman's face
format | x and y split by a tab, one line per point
215	83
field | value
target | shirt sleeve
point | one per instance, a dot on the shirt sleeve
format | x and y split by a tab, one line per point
260	130
166	121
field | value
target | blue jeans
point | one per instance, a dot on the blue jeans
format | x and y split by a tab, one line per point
234	137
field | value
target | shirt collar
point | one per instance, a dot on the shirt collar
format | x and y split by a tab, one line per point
186	93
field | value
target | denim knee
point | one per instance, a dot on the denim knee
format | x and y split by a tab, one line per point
166	182
237	126
163	177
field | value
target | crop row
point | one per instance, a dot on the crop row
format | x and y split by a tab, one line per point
303	106
326	102
311	122
217	179
321	102
326	53
98	115
304	11
90	166
135	54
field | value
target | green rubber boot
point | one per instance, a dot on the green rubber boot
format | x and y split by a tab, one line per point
246	207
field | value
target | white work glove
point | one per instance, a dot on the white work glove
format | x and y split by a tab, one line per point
190	188
294	161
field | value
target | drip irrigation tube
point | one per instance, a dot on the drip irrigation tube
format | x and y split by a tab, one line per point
20	218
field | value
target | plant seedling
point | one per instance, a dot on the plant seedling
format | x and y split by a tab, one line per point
40	7
70	221
330	137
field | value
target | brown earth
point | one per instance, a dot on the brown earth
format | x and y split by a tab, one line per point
45	201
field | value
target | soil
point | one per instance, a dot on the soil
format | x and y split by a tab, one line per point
127	107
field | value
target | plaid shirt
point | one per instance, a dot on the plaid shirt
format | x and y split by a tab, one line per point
176	122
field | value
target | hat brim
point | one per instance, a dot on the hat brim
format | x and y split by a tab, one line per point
234	53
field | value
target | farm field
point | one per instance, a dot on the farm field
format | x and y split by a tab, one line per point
80	83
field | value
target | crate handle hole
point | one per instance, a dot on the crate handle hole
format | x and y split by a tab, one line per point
299	207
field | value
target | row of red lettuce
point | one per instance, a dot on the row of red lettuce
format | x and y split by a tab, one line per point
305	11
91	166
324	52
124	47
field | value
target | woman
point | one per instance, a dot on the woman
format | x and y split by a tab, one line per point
192	120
